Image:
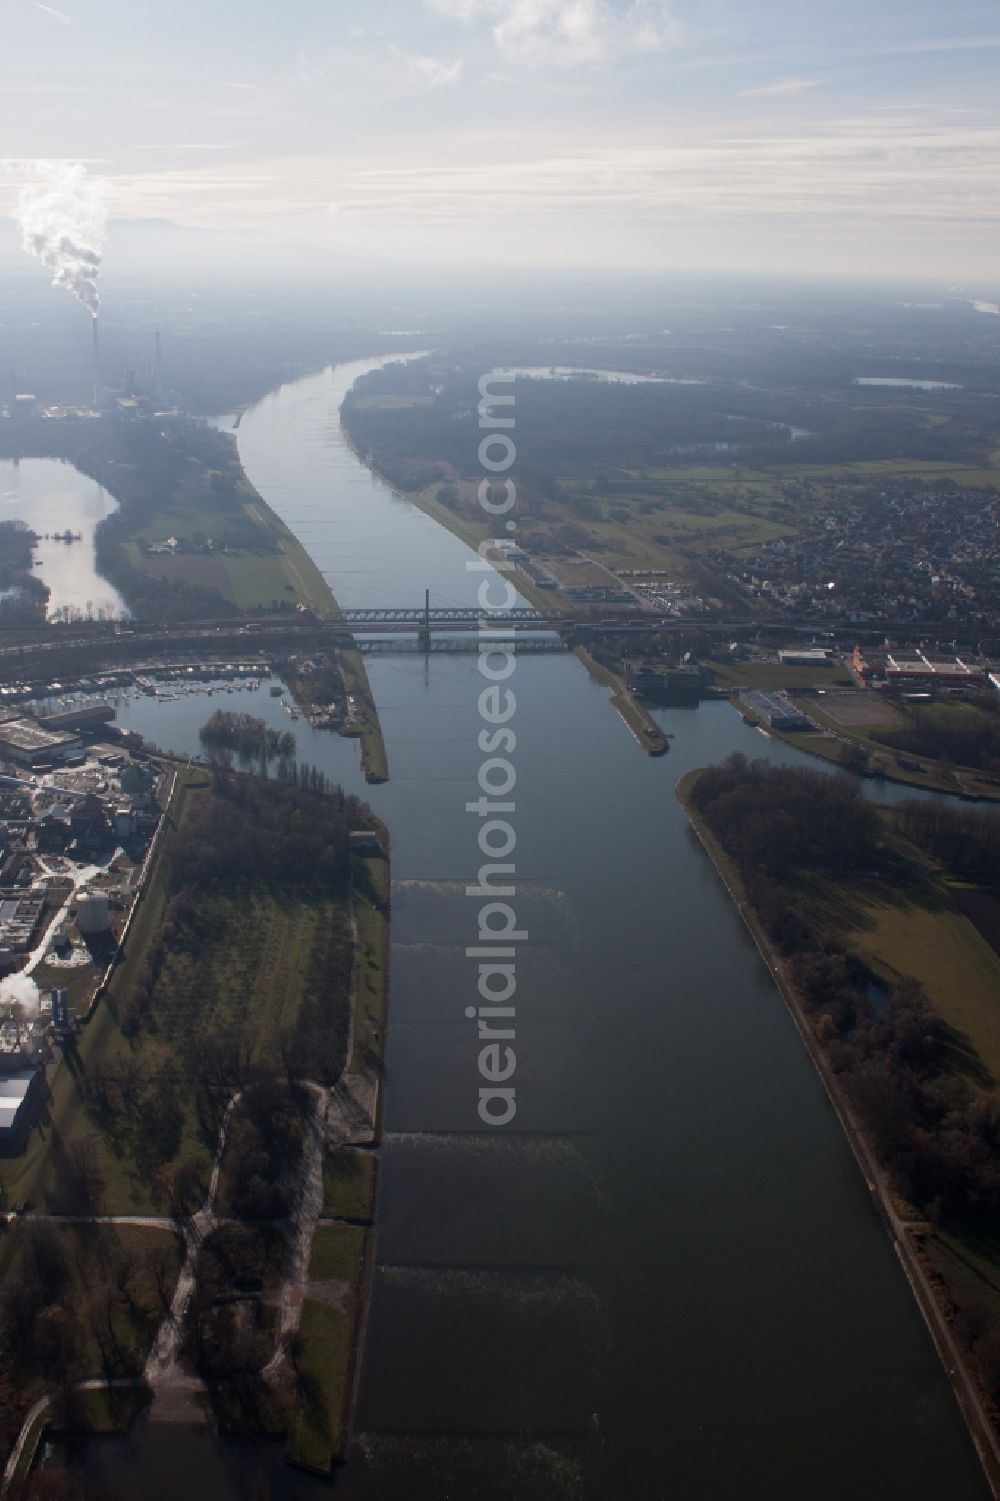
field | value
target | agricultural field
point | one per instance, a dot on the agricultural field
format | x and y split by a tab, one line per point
694	478
256	563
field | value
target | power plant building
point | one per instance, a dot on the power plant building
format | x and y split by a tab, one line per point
16	1092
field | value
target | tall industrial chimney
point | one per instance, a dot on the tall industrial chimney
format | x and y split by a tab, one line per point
97	366
158	371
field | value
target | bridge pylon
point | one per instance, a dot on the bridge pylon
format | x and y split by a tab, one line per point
424	634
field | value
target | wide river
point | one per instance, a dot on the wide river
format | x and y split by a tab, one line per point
665	1278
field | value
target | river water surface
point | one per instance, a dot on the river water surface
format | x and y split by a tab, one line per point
664	1279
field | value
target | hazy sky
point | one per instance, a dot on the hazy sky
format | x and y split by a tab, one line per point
828	135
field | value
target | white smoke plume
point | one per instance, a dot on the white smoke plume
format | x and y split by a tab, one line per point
63	217
21	990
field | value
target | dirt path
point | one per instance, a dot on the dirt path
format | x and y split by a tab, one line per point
174	1387
343	1115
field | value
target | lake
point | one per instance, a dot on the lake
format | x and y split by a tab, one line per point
51	496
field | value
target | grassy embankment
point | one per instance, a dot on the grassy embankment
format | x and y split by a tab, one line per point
325	1351
641	723
903	923
340	1268
371	988
340	1265
349	1182
933	775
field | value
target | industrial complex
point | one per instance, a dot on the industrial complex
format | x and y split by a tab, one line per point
78	814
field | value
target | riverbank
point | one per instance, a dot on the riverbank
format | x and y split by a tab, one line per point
643	726
473	535
924	772
907	1231
319	597
834	745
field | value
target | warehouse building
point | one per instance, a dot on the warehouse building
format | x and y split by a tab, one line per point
804	657
83	717
25	742
777	711
676	684
915	668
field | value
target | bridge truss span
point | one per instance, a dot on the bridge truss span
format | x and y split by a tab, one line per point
454	616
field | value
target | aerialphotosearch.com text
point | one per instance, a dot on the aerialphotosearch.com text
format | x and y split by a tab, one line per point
497	931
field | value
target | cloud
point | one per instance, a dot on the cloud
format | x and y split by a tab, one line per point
782	87
57	15
946	44
307	72
916	171
567	33
433	71
190	146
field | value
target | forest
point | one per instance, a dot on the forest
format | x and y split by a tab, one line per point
960	733
966	841
251	831
248	736
778	819
702	412
23	596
